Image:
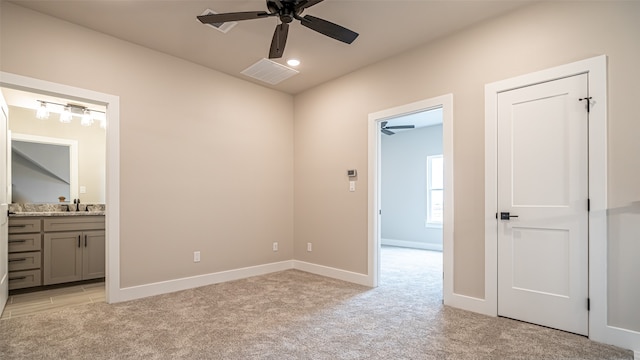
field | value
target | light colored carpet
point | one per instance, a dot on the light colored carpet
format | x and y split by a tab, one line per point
295	315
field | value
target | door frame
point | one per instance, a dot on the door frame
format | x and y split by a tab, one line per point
112	211
374	159
596	68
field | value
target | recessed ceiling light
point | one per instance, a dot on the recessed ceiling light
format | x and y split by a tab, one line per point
293	62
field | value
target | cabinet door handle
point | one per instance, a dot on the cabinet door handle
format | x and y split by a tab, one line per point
78	240
17	259
85	241
17	241
18	278
20	225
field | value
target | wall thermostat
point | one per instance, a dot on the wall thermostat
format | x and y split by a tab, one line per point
352	173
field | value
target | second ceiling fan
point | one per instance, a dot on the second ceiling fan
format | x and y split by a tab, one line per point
286	10
387	129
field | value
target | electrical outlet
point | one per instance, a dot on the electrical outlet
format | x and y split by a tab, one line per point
275	246
196	256
309	247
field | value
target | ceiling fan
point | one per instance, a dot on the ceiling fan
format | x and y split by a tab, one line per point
386	129
286	10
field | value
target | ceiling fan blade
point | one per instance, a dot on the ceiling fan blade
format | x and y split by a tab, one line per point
279	41
307	4
329	29
383	124
385	131
401	127
236	16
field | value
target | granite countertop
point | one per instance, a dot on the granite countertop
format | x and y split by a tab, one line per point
24	210
56	213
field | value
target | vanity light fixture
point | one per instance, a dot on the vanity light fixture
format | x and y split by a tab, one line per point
87	119
65	115
68	111
42	112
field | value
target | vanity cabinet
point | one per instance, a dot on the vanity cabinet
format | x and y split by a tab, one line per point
25	253
73	255
48	250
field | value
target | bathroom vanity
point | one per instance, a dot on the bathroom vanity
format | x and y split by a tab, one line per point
54	247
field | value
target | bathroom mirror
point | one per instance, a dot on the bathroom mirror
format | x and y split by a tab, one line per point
43	169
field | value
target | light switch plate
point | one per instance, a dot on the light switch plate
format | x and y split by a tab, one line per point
352	186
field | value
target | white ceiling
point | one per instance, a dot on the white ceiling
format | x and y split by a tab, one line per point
386	28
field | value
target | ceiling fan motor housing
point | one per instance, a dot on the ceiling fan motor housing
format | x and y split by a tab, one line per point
286	10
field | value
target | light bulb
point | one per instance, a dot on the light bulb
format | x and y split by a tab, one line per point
293	62
87	120
42	112
65	115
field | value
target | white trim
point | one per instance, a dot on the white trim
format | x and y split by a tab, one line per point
428	222
334	273
411	244
73	156
169	286
636	355
446	102
596	68
112	212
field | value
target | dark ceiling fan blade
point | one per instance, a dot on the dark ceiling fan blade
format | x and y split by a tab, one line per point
306	4
401	127
235	16
383	124
329	29
385	131
279	41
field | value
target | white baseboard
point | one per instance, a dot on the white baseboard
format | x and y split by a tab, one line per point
468	303
164	287
169	286
361	279
411	244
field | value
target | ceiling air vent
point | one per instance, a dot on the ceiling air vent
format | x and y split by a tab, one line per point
222	27
269	71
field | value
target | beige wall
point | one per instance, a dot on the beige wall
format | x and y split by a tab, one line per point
331	123
91	147
206	159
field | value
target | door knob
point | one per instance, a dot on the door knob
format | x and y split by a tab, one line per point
506	216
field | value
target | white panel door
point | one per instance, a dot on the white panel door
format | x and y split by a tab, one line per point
4	209
543	185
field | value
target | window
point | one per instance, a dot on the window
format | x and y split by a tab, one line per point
435	192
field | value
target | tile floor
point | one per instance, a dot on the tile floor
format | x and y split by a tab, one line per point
48	300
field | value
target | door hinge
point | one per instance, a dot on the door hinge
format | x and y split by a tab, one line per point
379	212
588	204
588	304
588	99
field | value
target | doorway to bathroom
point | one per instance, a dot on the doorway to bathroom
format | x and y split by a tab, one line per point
98	193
